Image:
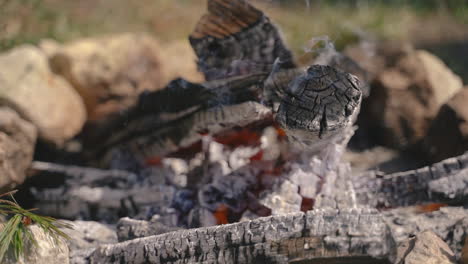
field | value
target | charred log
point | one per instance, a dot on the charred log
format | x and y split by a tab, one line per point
329	234
441	182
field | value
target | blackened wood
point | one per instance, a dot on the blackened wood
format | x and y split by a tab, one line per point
319	106
235	38
276	239
425	185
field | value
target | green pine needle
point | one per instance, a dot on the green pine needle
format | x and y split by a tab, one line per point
15	233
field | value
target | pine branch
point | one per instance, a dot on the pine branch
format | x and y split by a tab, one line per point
15	234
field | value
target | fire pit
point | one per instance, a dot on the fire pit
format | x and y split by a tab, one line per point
247	167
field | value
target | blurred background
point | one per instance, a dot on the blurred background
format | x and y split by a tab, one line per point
438	25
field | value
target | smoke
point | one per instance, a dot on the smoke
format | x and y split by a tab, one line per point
322	48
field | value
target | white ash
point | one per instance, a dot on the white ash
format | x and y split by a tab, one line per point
178	166
337	190
218	155
303	176
216	150
270	144
240	156
322	176
196	161
179	169
283	199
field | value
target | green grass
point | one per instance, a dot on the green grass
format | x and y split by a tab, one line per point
15	233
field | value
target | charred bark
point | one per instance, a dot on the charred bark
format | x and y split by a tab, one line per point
329	234
445	181
318	236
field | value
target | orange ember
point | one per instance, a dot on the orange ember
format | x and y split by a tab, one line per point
257	156
281	133
153	161
427	208
221	215
307	204
188	152
244	136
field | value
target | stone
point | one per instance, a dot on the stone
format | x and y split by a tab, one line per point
457	244
109	72
43	98
47	250
180	62
365	53
374	56
448	134
426	247
89	234
450	224
407	95
17	141
464	254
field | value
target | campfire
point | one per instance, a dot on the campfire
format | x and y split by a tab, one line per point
252	166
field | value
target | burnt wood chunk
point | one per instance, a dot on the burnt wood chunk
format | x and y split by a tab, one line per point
319	105
277	82
163	121
235	38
